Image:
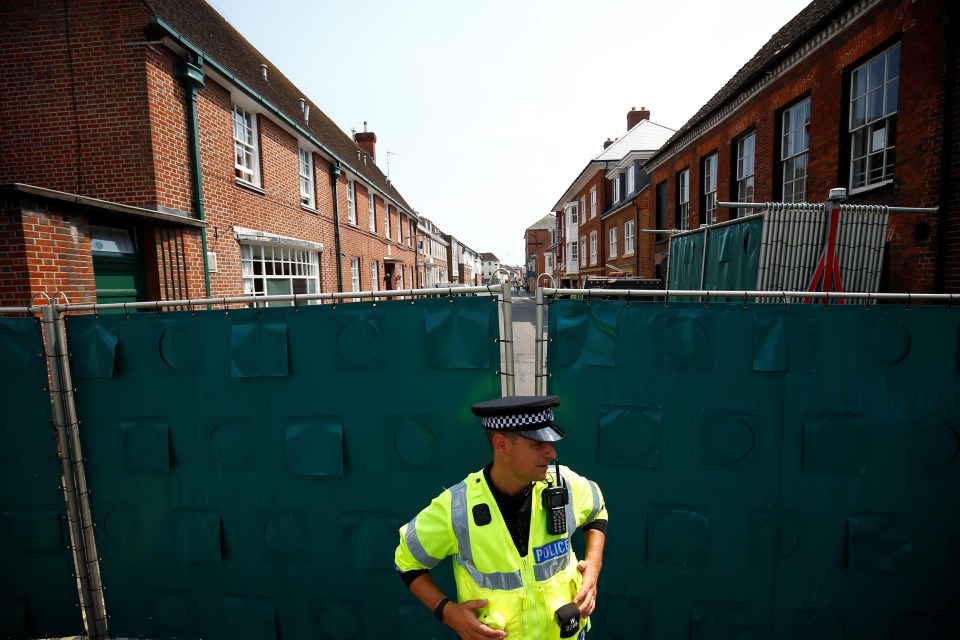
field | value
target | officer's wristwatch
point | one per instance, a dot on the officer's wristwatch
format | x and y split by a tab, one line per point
438	612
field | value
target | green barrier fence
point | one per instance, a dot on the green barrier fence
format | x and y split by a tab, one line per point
250	469
732	263
770	471
38	593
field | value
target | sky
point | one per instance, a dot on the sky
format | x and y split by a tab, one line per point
485	112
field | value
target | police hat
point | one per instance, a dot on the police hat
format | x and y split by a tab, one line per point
528	416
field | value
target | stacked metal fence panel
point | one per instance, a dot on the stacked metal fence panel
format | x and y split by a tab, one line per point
770	471
38	591
786	253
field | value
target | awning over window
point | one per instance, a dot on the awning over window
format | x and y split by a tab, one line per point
262	237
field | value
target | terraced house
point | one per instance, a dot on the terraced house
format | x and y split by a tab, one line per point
151	153
852	94
855	94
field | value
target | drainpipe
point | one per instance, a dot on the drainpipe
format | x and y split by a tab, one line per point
946	146
191	75
334	177
636	238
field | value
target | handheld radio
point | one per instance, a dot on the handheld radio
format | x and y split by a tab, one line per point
555	503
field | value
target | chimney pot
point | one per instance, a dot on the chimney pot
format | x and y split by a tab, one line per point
607	143
367	140
634	117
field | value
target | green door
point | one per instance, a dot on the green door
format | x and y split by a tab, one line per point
118	279
117	270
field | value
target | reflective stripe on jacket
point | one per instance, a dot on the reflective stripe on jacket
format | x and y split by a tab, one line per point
487	566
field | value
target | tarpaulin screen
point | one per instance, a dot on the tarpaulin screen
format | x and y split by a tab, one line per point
732	262
250	468
770	471
38	593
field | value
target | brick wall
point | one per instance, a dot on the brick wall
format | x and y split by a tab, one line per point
79	123
100	117
14	272
821	76
45	249
629	263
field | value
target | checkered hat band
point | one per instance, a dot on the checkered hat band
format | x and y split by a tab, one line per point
520	420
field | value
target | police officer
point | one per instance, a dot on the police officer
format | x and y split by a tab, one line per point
508	528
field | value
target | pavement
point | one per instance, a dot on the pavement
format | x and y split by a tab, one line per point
524	344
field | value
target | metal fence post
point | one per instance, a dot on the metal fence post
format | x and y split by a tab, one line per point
75	487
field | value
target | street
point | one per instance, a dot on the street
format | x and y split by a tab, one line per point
524	345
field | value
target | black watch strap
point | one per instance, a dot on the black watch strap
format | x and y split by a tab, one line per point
438	612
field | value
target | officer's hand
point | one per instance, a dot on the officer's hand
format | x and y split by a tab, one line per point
586	598
462	618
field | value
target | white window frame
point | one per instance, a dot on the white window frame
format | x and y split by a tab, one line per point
372	206
386	218
628	237
267	268
572	217
583	204
351	201
872	121
572	254
548	262
683	198
355	274
583	252
307	194
631	179
374	275
710	164
399	227
616	188
746	167
593	248
246	146
794	150
593	202
612	242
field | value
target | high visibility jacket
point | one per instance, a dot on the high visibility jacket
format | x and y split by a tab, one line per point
525	592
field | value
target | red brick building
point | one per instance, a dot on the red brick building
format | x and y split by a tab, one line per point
598	207
539	240
859	95
150	153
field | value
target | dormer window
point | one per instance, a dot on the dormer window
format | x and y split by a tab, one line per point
631	179
616	188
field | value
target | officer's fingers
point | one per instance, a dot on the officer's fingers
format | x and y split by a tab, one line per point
473	605
586	594
487	632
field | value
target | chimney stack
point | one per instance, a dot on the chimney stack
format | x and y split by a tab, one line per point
367	140
634	117
608	143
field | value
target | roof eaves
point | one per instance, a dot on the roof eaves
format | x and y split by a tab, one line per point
221	69
774	53
580	180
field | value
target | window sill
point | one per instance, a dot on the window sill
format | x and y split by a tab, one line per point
870	187
627	254
309	209
249	186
